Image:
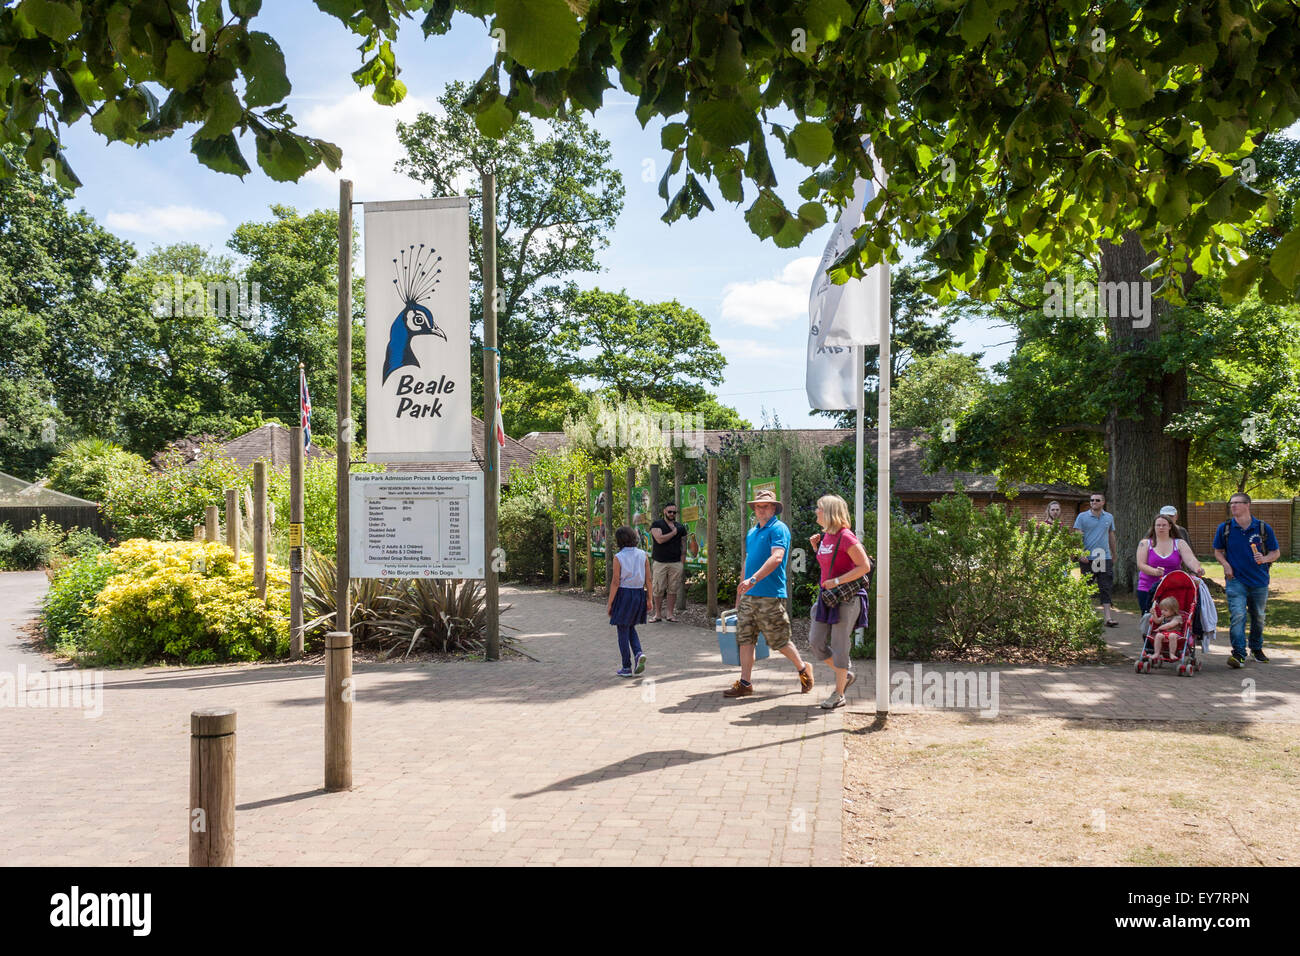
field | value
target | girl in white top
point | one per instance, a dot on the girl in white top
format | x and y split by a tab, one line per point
629	593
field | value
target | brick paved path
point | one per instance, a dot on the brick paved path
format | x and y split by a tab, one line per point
514	762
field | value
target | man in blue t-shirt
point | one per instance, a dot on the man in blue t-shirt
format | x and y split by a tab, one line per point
1098	528
1245	546
760	597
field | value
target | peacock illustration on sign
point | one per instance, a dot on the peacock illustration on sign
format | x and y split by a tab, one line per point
415	279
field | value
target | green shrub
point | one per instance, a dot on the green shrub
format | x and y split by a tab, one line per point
524	531
320	499
971	583
88	466
35	548
165	505
81	542
71	596
7	541
187	602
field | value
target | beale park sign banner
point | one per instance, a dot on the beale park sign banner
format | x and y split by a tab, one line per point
417	330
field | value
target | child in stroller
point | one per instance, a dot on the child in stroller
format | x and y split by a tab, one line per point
1172	618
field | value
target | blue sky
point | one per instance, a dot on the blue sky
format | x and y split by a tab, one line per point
753	294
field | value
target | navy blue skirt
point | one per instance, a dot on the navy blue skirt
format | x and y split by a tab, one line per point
629	607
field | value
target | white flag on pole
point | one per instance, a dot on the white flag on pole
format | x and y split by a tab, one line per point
841	316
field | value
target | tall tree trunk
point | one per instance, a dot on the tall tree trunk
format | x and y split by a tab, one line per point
1146	468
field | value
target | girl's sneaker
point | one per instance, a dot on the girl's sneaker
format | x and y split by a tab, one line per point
624	672
640	664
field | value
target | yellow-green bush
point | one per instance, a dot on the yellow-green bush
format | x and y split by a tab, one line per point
187	602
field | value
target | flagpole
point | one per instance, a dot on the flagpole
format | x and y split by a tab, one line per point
859	353
882	499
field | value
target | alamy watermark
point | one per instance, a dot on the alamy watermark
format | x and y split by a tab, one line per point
946	689
620	427
1122	300
80	689
221	298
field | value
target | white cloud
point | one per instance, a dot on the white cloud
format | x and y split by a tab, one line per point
367	134
769	303
164	220
752	350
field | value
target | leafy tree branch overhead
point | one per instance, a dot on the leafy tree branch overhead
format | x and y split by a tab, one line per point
1012	130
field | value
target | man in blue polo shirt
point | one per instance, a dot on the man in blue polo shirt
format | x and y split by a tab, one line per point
1245	546
760	597
1097	525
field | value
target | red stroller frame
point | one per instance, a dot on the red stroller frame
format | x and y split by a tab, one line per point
1182	587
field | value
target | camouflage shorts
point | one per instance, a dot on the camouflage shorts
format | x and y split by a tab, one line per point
766	614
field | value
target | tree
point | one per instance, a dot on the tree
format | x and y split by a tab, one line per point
661	352
936	393
558	200
86	468
919	327
1008	134
67	317
293	259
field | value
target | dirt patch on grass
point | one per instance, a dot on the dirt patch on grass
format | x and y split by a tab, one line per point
952	789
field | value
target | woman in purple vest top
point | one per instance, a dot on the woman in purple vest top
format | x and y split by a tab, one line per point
1161	551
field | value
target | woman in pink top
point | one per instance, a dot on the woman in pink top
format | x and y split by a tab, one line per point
841	560
1159	553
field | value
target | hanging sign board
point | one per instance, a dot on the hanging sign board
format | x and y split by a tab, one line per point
417	525
418	396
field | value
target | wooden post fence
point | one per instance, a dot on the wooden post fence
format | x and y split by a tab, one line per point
211	524
679	479
296	542
232	522
591	544
609	522
259	527
555	545
744	509
711	536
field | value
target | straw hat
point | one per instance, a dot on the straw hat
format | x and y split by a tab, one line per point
766	498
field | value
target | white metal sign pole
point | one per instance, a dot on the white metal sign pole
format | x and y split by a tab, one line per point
882	503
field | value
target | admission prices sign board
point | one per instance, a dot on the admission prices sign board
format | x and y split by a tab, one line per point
417	525
418	401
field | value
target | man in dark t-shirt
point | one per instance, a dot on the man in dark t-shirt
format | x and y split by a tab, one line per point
668	562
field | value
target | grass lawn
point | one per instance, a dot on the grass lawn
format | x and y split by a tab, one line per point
1281	616
958	790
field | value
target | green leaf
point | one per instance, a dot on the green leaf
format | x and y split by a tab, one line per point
282	155
1239	279
184	66
723	122
494	116
976	21
224	111
264	70
672	135
539	34
1285	263
826	17
812	143
1128	88
813	215
245	8
220	153
728	61
731	186
58	21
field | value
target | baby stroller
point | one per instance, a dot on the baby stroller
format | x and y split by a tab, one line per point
1180	586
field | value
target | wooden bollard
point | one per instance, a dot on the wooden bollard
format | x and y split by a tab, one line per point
210	524
232	522
198	532
338	710
212	787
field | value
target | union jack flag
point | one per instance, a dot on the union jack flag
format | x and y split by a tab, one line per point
304	402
